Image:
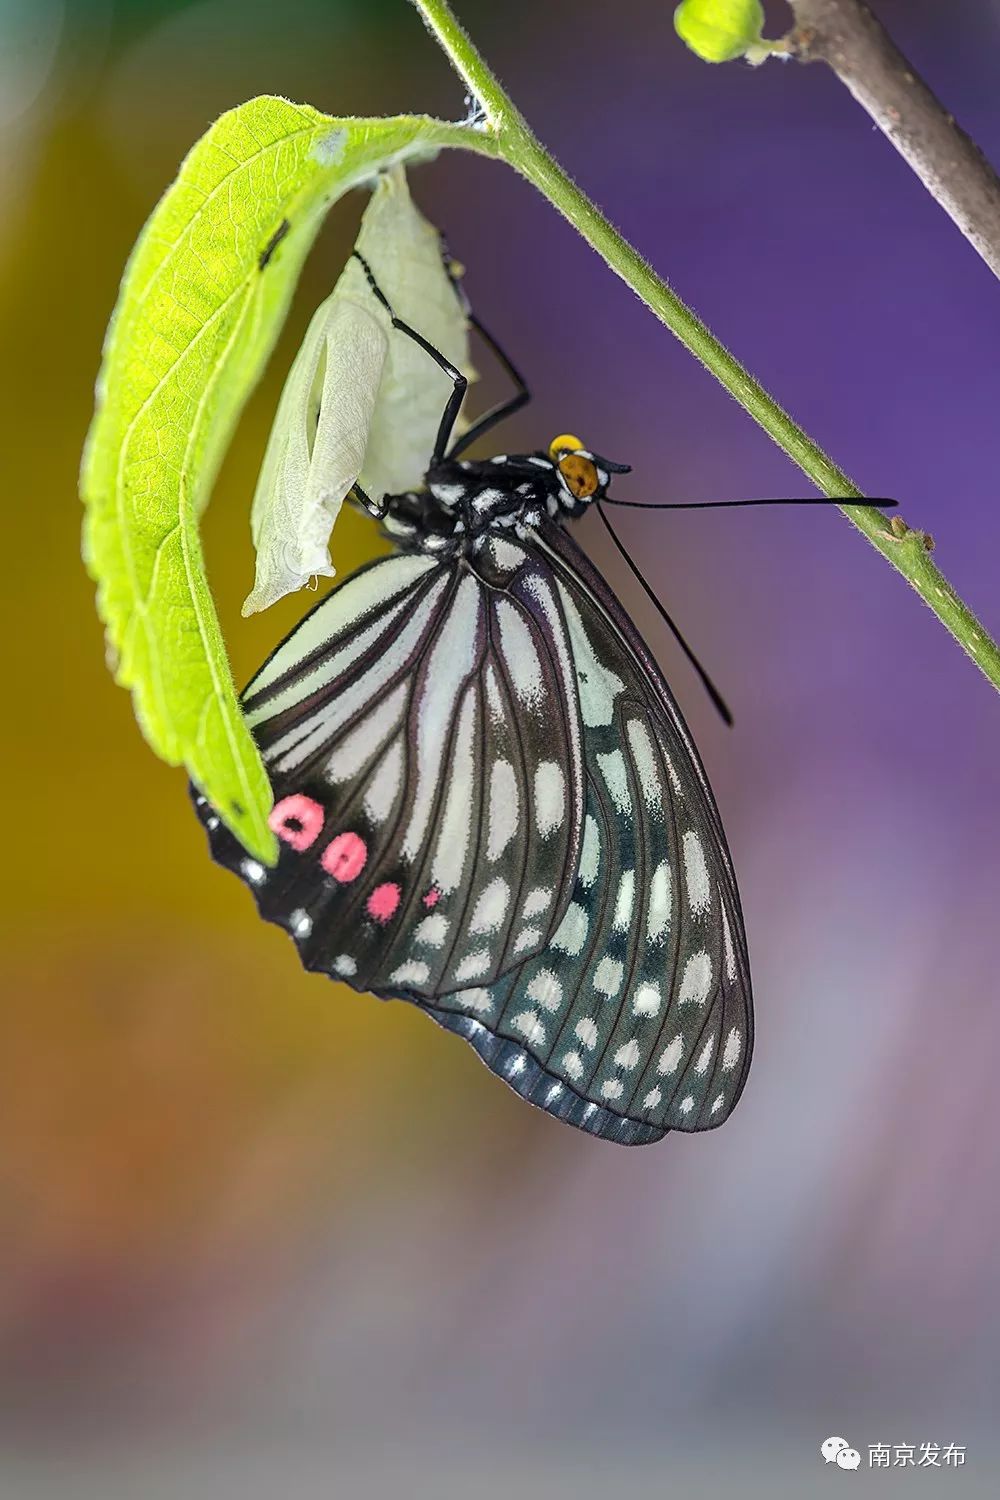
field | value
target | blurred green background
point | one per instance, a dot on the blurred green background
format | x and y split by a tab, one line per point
257	1231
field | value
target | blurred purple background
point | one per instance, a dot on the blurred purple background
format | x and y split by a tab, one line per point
259	1235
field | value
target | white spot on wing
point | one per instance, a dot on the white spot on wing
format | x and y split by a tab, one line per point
537	901
362	743
697	980
628	1055
491	907
696	875
345	965
503	808
476	999
253	871
599	686
505	554
493	696
586	1031
545	989
590	853
645	763
573	1063
572	933
731	1051
412	972
301	923
550	796
529	1025
470	968
608	976
660	896
705	1056
537	585
729	956
647	1000
616	776
687	1104
671	1055
625	901
455	833
517	645
432	931
611	1088
451	661
529	939
385	785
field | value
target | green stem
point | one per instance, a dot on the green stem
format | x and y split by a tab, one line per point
906	550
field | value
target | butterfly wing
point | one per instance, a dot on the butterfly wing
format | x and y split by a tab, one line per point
420	734
489	805
637	1017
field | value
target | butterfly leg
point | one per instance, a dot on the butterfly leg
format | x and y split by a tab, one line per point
505	409
376	511
450	414
522	394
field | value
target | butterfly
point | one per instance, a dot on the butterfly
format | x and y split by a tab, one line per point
488	804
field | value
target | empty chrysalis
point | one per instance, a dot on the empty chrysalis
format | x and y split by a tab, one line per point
358	405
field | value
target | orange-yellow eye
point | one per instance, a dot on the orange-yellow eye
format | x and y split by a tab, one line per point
579	473
565	443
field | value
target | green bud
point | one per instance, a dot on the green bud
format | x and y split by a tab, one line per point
719	30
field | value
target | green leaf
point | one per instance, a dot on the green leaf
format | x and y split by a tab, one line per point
719	30
202	301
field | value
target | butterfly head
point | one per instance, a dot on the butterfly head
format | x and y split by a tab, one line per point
581	475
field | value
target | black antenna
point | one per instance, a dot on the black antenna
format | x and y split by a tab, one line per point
707	683
720	504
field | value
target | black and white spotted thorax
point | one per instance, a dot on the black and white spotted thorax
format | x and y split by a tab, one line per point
464	501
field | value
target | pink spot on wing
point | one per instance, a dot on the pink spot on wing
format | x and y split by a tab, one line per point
384	901
344	857
297	820
432	898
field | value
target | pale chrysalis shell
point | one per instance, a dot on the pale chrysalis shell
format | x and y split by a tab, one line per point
362	401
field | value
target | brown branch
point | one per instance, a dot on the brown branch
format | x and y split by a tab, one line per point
847	37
